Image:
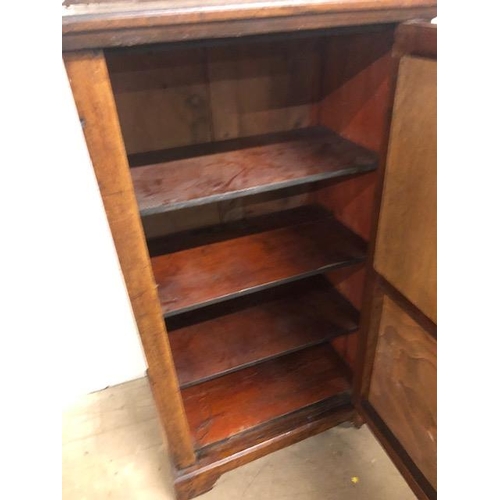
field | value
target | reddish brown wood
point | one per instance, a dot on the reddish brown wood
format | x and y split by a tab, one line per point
371	305
222	457
109	23
207	274
237	227
258	327
247	166
216	411
349	281
356	102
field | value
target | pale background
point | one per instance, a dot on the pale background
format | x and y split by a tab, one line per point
102	347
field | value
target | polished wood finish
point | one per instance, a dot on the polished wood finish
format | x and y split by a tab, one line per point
403	385
216	411
109	23
284	431
406	241
246	167
200	276
89	80
258	327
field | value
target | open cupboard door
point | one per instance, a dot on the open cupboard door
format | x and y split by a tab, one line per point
395	390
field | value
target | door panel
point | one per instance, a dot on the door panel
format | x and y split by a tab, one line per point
403	385
405	252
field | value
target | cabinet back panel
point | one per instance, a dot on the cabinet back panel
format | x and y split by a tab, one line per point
162	98
355	102
177	97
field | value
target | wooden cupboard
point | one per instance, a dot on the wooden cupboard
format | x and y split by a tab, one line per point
244	153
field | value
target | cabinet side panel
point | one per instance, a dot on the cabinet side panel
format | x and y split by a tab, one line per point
173	97
405	252
403	386
355	102
88	76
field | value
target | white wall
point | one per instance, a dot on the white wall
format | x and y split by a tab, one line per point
101	347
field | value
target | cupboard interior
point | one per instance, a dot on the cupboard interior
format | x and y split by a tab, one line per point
254	163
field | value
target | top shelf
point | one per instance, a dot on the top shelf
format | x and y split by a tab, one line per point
242	167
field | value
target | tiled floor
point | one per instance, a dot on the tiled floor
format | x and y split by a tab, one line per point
112	449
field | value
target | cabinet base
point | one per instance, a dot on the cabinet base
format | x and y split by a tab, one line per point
222	457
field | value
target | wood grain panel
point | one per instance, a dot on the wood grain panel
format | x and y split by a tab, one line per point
162	98
405	252
258	327
244	167
89	79
403	386
270	390
194	277
262	88
356	104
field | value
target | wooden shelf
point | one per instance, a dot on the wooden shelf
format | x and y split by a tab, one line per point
310	243
256	328
216	412
197	175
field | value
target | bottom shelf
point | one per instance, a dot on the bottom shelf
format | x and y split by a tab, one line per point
246	399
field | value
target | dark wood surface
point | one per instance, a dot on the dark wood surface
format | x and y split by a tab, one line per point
210	273
258	327
236	228
110	23
250	445
216	411
88	75
170	97
162	97
248	166
403	385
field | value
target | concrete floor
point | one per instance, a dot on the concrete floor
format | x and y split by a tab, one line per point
112	449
